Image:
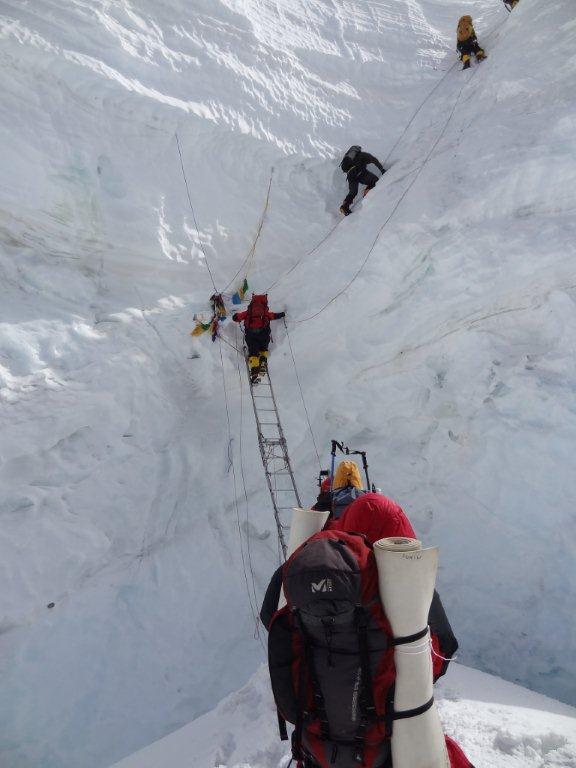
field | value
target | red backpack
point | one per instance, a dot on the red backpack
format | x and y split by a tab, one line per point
331	654
257	312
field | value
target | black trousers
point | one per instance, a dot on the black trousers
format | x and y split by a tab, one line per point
257	340
469	47
366	177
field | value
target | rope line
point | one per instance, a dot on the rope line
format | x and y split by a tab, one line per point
194	213
247	261
331	230
394	209
241	454
229	343
388	156
397	205
302	396
253	609
304	256
415	115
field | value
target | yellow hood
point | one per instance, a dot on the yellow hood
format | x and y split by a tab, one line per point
347	474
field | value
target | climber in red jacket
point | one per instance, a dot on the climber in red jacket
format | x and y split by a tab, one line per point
256	321
378	517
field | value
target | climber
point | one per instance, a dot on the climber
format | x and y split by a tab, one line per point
335	496
321	637
467	42
354	166
256	321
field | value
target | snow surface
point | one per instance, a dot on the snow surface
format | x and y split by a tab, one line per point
450	358
497	723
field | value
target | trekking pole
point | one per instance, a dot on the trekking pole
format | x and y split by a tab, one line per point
365	465
335	444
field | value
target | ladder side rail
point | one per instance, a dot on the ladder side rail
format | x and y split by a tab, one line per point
261	445
284	443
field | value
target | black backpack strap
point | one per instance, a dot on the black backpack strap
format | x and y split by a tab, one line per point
366	697
409	638
405	713
307	665
318	696
297	733
282	727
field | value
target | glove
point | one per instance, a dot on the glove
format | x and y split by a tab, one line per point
235	317
280	315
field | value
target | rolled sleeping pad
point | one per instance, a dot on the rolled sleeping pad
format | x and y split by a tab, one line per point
406	578
305	523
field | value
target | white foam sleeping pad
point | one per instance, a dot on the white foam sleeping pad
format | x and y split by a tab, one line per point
406	577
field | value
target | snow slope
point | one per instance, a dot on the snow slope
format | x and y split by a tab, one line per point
450	358
497	723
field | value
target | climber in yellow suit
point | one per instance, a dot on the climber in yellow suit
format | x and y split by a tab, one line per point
467	42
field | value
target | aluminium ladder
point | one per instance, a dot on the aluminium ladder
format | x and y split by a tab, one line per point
274	453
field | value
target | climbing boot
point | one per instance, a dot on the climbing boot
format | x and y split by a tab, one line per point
480	56
254	366
466	63
345	209
263	362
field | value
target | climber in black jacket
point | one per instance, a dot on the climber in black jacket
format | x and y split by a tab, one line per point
354	166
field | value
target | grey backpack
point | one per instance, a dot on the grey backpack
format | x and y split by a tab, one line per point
331	656
349	158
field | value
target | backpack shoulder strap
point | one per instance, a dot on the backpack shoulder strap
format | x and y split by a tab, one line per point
307	667
366	698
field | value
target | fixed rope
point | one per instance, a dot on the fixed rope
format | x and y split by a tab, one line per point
386	221
388	156
243	476
397	205
253	606
415	115
302	396
194	214
304	256
252	598
387	159
274	452
247	263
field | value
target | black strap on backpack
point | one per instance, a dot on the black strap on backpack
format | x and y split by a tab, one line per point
282	726
307	667
391	713
297	733
366	695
